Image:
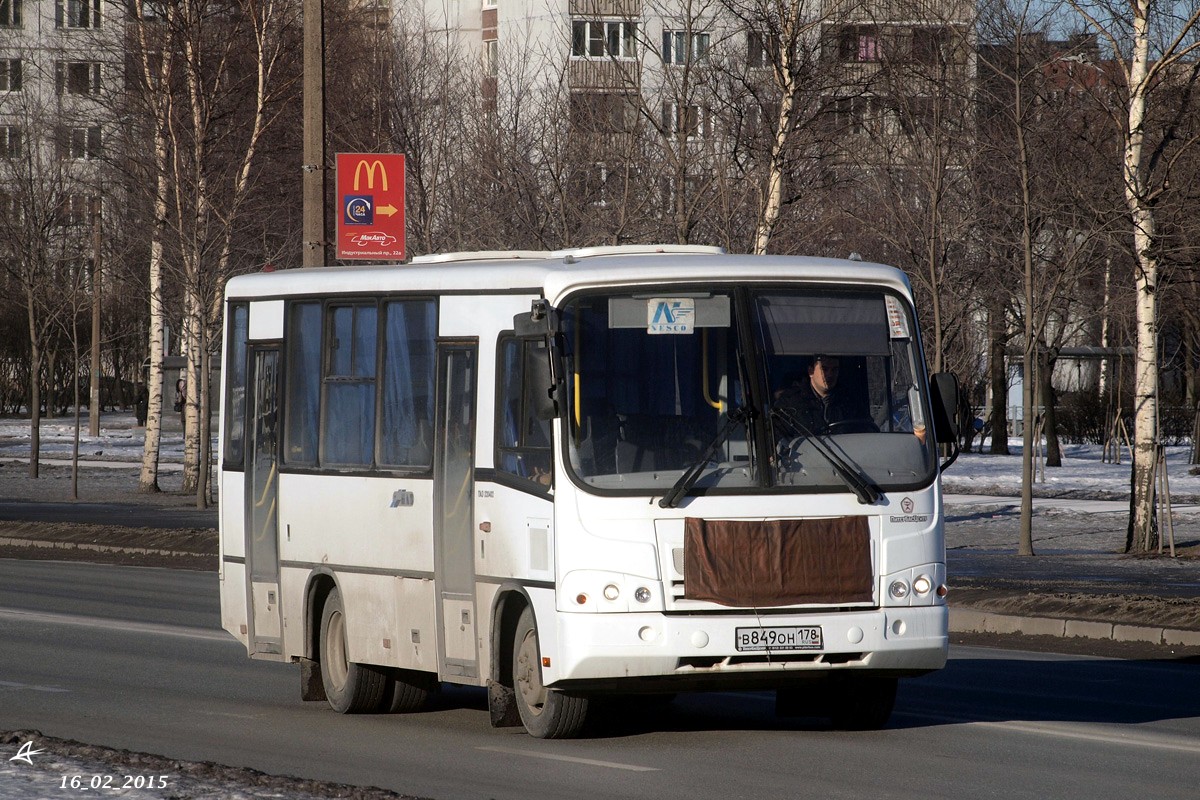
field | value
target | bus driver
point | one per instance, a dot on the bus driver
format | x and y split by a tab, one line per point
816	403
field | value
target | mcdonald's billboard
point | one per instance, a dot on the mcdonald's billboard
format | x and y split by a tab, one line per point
370	213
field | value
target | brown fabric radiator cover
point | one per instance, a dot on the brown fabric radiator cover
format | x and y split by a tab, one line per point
778	563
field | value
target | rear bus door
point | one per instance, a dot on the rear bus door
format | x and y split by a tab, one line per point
262	500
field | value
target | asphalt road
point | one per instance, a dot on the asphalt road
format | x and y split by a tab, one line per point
134	658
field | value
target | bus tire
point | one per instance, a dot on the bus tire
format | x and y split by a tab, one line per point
350	688
863	703
407	691
546	713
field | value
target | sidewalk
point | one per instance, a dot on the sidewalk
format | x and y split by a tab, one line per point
1080	583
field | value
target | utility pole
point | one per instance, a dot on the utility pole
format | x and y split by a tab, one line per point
94	394
315	244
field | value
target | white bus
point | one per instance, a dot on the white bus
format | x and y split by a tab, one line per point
576	474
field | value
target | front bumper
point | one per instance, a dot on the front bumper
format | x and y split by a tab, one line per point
685	651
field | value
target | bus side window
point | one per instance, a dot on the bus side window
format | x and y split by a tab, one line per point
523	442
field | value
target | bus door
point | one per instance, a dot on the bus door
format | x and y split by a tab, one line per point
262	491
454	491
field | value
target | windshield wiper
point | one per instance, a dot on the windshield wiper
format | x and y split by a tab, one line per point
738	416
850	473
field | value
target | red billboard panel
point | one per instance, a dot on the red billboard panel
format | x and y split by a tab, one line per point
370	213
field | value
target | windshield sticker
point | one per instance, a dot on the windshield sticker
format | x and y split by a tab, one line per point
897	321
670	315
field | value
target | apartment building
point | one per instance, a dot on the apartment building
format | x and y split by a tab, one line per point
59	68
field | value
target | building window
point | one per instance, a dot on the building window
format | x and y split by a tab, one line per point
491	58
74	210
10	13
10	75
10	141
603	38
931	46
692	120
77	14
860	43
679	47
79	143
77	77
11	209
756	50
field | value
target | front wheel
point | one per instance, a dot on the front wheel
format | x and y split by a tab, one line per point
545	713
351	688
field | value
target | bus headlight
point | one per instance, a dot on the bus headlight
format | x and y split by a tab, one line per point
922	585
642	594
898	590
612	592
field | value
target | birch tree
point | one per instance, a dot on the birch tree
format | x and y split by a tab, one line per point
1154	43
788	33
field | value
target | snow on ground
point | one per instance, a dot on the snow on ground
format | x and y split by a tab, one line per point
1083	473
120	439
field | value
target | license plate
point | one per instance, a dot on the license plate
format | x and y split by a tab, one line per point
794	637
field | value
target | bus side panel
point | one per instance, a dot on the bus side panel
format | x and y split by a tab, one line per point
371	619
516	546
233	603
349	522
519	544
232	573
414	634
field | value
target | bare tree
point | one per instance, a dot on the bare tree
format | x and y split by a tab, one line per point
1031	181
43	211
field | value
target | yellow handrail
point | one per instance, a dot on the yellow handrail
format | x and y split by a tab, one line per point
717	404
578	382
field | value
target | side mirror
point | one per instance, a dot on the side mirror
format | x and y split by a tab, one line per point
944	397
539	322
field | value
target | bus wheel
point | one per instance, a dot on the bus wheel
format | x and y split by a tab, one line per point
863	703
408	691
546	713
351	688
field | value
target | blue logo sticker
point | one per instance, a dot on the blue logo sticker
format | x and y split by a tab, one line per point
670	315
359	209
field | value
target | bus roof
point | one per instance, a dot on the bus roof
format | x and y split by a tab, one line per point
553	274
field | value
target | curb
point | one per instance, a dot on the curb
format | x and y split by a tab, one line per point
970	620
97	548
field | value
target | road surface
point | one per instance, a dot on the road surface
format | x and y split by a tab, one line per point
133	658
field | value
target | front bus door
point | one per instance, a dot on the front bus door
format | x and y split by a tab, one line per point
454	490
262	494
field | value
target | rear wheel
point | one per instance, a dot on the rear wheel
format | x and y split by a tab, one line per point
546	713
407	691
351	688
862	703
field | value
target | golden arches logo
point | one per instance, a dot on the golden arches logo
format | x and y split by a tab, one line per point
370	170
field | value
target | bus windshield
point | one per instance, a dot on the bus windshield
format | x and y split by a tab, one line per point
772	389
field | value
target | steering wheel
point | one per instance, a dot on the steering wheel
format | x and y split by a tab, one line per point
853	425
